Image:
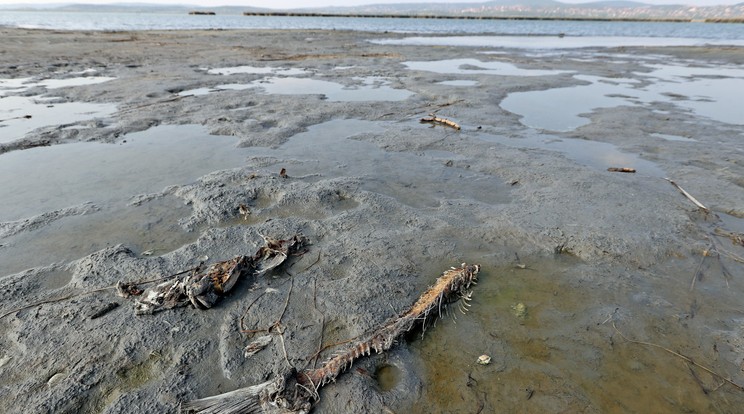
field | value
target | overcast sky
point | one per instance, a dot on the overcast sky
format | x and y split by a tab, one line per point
286	4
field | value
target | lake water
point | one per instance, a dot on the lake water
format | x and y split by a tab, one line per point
144	21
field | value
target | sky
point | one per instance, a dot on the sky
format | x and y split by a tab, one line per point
288	4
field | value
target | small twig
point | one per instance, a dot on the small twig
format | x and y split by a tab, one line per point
284	348
689	196
286	303
242	318
726	274
278	324
697	271
731	256
684	358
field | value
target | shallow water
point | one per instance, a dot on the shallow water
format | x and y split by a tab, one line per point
599	155
703	92
16	85
418	180
46	179
562	354
459	83
555	42
476	67
150	228
257	70
20	115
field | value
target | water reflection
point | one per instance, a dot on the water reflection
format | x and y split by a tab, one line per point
704	92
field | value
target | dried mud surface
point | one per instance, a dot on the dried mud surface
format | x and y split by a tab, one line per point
582	247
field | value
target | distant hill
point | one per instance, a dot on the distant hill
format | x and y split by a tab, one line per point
612	9
132	8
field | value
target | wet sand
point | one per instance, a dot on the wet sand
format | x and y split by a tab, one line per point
170	132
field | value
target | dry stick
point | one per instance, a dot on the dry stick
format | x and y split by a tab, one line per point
697	271
726	274
621	169
75	295
684	358
437	120
689	197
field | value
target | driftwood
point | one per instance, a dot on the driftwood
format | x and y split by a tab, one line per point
297	392
203	289
621	169
433	119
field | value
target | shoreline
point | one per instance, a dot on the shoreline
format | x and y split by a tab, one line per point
318	132
466	17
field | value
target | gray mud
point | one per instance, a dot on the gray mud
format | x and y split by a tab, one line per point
570	251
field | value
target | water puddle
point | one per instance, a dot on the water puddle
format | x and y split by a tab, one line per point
551	42
18	85
675	138
71	82
710	92
419	180
704	92
20	115
387	377
46	179
367	89
559	109
52	280
150	228
12	86
595	154
254	70
459	83
476	67
218	88
551	351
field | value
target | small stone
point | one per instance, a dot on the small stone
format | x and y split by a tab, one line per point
484	360
55	379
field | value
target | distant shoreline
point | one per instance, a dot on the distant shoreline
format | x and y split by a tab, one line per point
451	17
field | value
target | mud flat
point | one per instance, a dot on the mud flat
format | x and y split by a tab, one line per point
158	138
